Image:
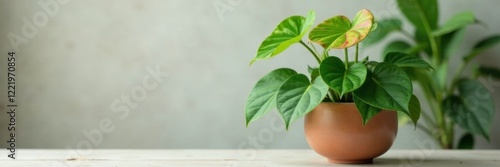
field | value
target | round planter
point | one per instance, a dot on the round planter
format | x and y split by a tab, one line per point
335	131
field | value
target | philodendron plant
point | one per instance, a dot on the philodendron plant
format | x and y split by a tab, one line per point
372	86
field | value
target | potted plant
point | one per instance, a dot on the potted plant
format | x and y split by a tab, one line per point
348	105
455	99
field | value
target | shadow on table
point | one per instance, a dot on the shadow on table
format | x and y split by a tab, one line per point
397	162
431	162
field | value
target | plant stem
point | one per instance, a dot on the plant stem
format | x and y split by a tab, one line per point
330	96
441	119
357	50
449	129
334	96
450	133
439	94
432	40
346	58
441	135
315	51
435	56
325	53
456	76
310	50
429	92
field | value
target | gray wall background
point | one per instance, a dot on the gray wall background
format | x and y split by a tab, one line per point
91	53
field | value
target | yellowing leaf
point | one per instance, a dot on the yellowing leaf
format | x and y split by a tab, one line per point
338	32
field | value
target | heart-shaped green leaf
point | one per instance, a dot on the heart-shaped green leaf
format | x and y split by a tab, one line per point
263	95
478	101
297	97
406	60
473	110
338	32
340	79
456	22
388	88
288	32
367	112
384	27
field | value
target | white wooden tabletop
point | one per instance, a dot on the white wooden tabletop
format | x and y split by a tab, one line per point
242	158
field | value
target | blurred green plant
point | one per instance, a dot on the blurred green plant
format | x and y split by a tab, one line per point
456	99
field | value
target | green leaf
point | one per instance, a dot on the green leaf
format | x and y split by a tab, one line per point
478	100
388	88
488	42
413	115
452	42
421	13
288	32
365	60
414	108
263	95
334	73
371	64
466	141
406	60
384	27
473	110
458	21
367	112
314	72
396	46
338	32
489	71
374	26
483	45
441	75
297	97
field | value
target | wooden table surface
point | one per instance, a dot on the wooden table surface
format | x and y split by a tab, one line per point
242	158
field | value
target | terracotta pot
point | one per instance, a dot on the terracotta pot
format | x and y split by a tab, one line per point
335	131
